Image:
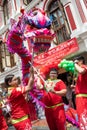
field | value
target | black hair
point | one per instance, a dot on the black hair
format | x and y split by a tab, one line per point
54	69
8	79
80	58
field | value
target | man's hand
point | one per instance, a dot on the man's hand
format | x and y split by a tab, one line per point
52	90
31	70
72	86
31	80
76	61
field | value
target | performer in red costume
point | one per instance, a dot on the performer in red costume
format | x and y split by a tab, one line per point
3	125
54	109
81	91
19	106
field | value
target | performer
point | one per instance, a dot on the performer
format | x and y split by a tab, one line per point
3	125
81	91
19	106
54	109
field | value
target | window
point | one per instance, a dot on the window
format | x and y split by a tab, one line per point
6	58
6	11
59	24
26	2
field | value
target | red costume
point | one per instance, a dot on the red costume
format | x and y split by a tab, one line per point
19	110
3	125
81	99
54	109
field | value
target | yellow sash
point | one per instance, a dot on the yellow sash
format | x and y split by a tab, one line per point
57	105
14	121
81	95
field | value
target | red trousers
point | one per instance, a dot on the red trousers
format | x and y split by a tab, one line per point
81	106
23	125
3	125
55	118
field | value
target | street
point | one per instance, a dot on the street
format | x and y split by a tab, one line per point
34	128
43	128
11	128
42	125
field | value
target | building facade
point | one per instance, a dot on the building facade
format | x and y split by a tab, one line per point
69	21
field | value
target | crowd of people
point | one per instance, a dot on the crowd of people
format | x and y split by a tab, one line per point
60	99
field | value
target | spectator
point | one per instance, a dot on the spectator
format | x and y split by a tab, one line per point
3	125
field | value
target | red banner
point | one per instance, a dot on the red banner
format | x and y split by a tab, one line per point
55	55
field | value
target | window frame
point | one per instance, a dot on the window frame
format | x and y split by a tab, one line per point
6	11
3	56
60	25
26	2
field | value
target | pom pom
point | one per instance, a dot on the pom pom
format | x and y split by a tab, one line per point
67	65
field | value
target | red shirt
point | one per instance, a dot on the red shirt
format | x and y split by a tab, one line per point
0	111
3	125
81	85
19	106
50	98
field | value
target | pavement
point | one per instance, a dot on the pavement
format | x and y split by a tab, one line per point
34	128
36	125
43	128
11	128
42	125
